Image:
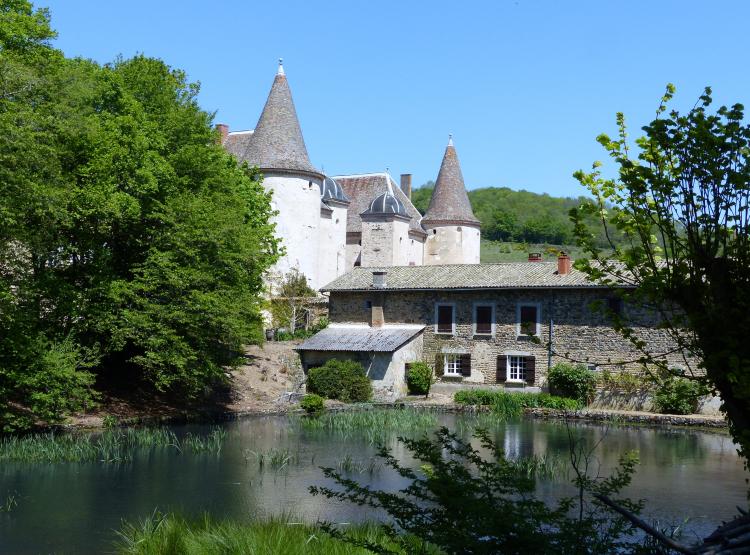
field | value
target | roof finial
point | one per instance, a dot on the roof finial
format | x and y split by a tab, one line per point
281	67
450	139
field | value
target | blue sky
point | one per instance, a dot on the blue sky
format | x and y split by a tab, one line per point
524	86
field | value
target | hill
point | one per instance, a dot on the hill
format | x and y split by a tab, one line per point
516	216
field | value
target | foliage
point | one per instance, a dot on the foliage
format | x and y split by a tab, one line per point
290	302
302	333
344	380
511	405
312	404
462	502
132	246
172	534
419	378
677	395
375	425
517	216
626	382
683	211
573	381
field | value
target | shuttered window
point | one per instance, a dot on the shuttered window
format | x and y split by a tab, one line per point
483	319
444	318
528	318
452	365
516	368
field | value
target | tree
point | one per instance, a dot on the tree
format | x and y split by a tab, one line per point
682	208
132	246
290	304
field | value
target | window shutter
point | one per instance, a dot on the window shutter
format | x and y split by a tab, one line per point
502	369
466	364
439	362
530	370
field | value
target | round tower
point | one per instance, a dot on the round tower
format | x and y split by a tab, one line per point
452	229
277	147
385	231
334	207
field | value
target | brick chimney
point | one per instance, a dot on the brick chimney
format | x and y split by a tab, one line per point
224	131
406	184
535	257
563	264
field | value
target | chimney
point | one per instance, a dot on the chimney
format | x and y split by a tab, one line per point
406	184
535	257
563	264
224	131
378	279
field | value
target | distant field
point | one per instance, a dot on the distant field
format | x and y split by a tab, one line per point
496	251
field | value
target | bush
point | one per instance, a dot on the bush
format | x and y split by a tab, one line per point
419	378
312	404
344	380
573	381
676	395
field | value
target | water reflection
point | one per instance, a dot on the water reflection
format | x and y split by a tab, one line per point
74	507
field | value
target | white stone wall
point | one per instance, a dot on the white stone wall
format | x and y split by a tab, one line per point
416	251
297	200
385	243
452	245
332	248
353	249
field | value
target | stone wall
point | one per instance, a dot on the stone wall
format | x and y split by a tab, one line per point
580	332
452	245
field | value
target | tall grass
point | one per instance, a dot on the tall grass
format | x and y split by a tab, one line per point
350	465
274	458
173	535
511	405
110	446
371	424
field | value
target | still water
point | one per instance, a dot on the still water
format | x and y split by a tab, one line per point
76	507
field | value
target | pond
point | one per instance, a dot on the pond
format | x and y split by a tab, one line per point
267	464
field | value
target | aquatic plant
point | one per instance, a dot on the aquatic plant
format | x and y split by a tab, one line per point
373	425
9	503
161	534
511	405
350	465
110	446
274	458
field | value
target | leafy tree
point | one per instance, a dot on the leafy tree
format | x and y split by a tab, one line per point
132	246
683	210
291	301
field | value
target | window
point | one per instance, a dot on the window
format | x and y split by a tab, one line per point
592	367
516	368
453	365
614	305
444	318
484	319
368	305
528	319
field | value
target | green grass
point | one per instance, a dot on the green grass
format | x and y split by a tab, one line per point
173	535
511	405
350	465
110	446
274	459
497	251
371	424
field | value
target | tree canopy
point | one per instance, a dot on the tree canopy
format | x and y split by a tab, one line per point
132	246
682	197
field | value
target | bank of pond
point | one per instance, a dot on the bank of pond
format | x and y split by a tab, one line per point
137	490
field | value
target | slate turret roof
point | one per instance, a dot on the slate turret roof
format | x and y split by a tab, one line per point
450	203
277	142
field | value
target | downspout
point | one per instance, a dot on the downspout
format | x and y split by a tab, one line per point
549	345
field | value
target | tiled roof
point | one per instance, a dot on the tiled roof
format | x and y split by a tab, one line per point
449	202
511	275
237	142
360	339
276	143
363	189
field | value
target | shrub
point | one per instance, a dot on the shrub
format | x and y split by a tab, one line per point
312	404
344	380
676	395
573	381
419	378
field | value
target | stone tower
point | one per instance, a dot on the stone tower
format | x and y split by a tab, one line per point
276	146
334	207
385	231
452	229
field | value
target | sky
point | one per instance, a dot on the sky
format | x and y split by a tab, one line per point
524	86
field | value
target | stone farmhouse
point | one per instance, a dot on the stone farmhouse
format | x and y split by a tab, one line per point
502	323
331	224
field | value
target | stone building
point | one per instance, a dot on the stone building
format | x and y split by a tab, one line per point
479	324
331	224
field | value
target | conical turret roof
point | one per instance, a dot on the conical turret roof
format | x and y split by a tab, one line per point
277	142
450	203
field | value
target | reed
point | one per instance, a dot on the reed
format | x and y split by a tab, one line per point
172	535
350	465
511	405
374	425
110	446
274	458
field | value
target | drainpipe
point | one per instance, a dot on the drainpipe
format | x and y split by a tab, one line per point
549	347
